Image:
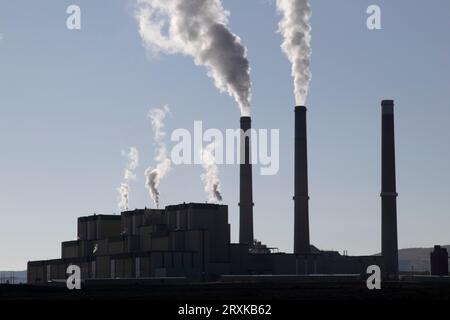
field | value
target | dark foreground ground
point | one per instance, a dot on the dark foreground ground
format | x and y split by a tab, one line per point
229	301
234	292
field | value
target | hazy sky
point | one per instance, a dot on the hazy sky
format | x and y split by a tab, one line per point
71	101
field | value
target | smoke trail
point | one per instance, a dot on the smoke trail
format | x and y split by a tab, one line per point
133	162
155	175
124	189
296	30
211	175
198	28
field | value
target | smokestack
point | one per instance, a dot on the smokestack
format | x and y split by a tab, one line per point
246	188
301	197
389	245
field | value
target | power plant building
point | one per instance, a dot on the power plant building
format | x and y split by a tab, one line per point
187	240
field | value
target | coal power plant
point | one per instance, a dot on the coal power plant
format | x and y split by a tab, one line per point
191	241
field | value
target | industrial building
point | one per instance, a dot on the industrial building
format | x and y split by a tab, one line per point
192	240
439	261
188	240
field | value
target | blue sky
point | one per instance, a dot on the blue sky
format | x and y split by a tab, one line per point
71	101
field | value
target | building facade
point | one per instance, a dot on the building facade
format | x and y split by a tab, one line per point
187	240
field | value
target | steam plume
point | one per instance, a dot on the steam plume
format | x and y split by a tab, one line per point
198	28
155	175
296	30
124	189
211	175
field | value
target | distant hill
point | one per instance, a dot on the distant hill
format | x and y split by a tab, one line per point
17	276
416	259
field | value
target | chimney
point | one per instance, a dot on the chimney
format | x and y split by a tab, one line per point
389	246
246	188
301	197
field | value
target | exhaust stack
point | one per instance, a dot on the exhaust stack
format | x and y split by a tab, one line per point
389	244
301	197
246	187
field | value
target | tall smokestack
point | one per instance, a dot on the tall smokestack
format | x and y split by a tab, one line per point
246	188
389	246
301	197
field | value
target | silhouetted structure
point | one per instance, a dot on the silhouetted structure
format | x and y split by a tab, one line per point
192	241
301	197
439	261
189	240
246	187
389	246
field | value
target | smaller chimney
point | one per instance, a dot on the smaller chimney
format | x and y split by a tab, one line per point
301	197
246	188
389	244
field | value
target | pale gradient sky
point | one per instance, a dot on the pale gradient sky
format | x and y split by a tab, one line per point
71	101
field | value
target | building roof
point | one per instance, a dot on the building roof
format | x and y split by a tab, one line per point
193	205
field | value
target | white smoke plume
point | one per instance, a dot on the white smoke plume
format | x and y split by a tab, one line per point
129	175
211	176
198	28
153	176
124	191
296	30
